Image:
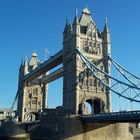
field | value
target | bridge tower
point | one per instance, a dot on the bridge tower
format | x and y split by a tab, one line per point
31	95
79	86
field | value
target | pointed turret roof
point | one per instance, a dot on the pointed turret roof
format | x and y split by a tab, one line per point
66	25
25	61
86	17
76	20
34	61
22	63
86	10
34	54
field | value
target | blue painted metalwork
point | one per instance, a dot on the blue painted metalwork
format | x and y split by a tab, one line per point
129	91
52	62
131	78
125	116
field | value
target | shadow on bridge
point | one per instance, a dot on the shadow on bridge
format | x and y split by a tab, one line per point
57	127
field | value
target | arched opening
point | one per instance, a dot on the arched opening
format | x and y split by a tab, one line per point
91	106
32	116
88	109
36	115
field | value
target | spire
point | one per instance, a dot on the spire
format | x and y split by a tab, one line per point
34	61
21	63
76	20
67	22
86	18
76	12
26	65
106	29
21	68
66	25
106	37
86	10
26	61
34	54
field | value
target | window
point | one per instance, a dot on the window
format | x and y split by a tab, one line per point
30	96
98	49
99	84
93	34
86	49
89	33
39	104
94	82
93	45
90	82
90	44
34	101
25	109
101	67
85	43
83	64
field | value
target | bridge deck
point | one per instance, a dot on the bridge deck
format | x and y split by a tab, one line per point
126	116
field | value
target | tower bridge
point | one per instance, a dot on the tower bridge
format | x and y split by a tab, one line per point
86	64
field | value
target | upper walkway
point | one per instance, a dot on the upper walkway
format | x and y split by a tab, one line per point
52	62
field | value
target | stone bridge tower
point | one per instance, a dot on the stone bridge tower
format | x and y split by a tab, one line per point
80	88
31	94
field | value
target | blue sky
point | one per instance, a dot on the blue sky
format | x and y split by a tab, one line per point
29	25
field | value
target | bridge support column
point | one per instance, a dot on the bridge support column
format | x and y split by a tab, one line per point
107	131
44	88
72	128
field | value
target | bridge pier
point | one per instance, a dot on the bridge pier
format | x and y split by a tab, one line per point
11	130
107	131
72	128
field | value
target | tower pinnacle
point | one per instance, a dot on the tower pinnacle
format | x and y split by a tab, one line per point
76	20
76	12
86	10
106	29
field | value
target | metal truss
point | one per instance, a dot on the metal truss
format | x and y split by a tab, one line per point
131	78
127	90
13	105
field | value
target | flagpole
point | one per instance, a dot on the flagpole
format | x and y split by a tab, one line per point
46	52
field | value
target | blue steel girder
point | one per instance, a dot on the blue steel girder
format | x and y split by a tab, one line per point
49	64
126	116
129	91
130	77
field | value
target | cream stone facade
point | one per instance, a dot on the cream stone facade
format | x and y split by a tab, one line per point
80	87
32	96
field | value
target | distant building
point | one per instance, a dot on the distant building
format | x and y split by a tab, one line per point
4	113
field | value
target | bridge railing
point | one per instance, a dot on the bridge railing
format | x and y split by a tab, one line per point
125	115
